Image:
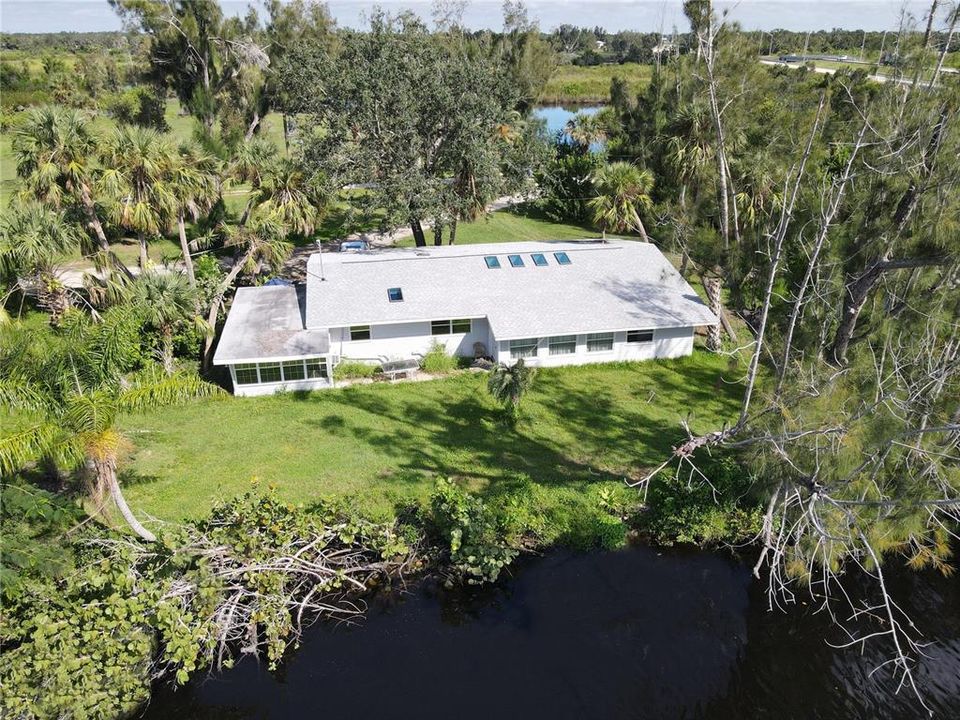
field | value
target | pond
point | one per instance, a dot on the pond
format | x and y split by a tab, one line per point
557	116
640	633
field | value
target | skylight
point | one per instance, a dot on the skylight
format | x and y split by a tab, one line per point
562	258
492	262
539	259
395	294
515	260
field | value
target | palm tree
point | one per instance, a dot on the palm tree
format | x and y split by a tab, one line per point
32	238
138	178
168	302
623	191
251	162
585	130
54	151
509	383
64	393
195	183
287	195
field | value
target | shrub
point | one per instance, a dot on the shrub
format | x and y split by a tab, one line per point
693	513
438	361
470	533
351	369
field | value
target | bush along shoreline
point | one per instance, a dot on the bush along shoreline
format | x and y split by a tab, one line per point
92	632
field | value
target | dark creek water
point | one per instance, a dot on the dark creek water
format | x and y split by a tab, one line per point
634	634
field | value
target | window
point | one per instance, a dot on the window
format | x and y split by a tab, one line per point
293	370
562	258
316	368
523	348
446	327
245	373
395	294
563	345
539	259
599	342
360	332
492	262
639	336
515	260
270	372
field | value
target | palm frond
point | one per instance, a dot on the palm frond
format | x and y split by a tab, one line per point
153	388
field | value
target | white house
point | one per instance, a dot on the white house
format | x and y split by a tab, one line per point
551	303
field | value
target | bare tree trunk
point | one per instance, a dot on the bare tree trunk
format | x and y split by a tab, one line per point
144	258
254	124
91	211
858	291
642	231
286	132
711	286
185	249
419	239
166	350
438	232
684	261
107	476
247	209
451	238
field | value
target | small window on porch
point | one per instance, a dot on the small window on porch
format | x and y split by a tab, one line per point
360	332
270	372
246	373
316	368
293	370
639	336
524	348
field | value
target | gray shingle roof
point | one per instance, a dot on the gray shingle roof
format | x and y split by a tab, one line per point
617	285
266	323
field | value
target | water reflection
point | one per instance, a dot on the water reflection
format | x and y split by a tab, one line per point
634	634
557	116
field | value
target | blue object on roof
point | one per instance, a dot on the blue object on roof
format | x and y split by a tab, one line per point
278	281
354	245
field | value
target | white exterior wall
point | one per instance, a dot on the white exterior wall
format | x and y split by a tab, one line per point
398	341
271	388
667	343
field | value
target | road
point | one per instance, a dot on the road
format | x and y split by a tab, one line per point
830	71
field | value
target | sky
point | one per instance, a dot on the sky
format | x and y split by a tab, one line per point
613	15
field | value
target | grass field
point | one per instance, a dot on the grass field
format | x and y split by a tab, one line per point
517	223
572	83
382	445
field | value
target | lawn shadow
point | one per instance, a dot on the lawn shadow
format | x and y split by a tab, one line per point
466	438
128	477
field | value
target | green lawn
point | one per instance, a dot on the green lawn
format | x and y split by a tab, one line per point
573	83
382	445
513	224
